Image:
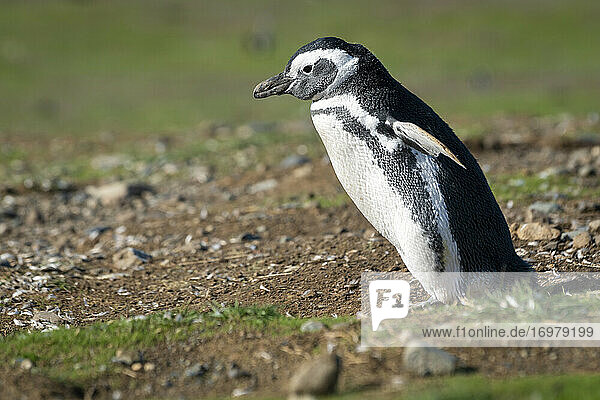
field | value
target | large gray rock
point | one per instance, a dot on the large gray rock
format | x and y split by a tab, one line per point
426	361
317	376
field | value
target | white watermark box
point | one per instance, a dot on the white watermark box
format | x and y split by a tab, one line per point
493	309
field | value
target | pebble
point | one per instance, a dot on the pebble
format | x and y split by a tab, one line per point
48	316
312	326
293	160
136	366
545	207
317	376
248	237
113	193
594	226
428	361
196	370
552	245
96	231
237	392
126	357
235	372
586	170
587	206
130	257
553	171
537	231
24	363
33	217
572	234
6	260
582	240
262	186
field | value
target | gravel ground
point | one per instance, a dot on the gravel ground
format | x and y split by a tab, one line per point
73	255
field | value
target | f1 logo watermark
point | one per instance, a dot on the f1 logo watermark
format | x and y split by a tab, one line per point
389	300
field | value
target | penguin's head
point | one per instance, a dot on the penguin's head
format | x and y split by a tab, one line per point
315	70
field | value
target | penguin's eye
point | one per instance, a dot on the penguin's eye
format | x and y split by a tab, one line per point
307	69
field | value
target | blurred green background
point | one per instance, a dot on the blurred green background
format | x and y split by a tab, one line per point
83	67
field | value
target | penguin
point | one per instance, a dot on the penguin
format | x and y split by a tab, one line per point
402	165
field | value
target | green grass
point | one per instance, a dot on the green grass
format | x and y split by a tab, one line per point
535	387
476	387
136	66
81	355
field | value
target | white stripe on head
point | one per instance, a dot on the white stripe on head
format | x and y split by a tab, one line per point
344	62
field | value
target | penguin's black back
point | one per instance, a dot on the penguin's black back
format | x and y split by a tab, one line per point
475	219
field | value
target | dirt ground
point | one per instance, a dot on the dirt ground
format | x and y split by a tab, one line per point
278	236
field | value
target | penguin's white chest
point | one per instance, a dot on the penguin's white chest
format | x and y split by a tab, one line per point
367	185
384	206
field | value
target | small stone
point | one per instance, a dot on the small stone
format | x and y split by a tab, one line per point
248	237
200	174
237	392
136	366
47	316
33	217
262	186
130	257
293	160
552	245
594	226
235	372
588	206
302	172
25	364
553	171
312	326
582	240
126	357
428	361
7	259
97	231
149	367
318	376
110	193
196	370
537	231
285	239
113	193
545	207
586	170
397	381
570	235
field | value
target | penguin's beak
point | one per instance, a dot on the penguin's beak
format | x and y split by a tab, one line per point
276	85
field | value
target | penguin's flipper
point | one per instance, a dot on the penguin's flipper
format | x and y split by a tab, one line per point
420	139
